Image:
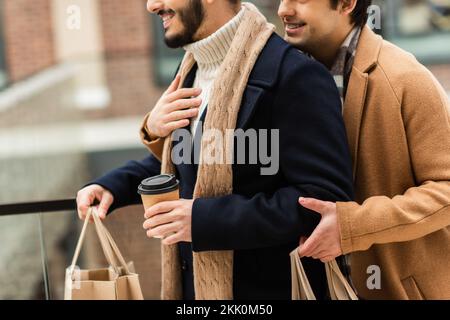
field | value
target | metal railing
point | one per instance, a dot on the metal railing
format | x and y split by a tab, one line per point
39	207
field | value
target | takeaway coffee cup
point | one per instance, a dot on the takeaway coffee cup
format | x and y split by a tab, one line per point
164	187
157	189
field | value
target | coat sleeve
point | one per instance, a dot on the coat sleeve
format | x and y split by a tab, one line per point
314	161
423	209
124	181
154	145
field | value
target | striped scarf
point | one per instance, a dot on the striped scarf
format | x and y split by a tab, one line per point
343	64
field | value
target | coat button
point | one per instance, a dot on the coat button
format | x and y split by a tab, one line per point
184	265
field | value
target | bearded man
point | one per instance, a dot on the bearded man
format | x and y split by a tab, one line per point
230	235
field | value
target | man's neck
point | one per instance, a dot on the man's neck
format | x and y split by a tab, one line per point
222	15
328	57
210	51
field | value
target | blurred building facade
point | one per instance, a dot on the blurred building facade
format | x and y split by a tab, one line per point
120	59
76	78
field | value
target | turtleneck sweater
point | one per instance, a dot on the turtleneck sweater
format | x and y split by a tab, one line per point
209	54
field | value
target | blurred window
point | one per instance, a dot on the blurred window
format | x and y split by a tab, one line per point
166	60
421	27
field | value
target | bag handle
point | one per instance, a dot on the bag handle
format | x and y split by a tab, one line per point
116	249
301	288
338	285
340	289
106	248
109	247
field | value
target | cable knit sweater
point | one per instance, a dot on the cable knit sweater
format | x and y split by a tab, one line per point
209	54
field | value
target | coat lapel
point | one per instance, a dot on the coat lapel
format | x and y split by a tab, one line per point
190	77
186	170
263	77
365	61
353	111
251	98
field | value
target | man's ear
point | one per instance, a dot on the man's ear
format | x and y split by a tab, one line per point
347	6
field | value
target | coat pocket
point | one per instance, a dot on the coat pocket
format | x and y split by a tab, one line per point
412	289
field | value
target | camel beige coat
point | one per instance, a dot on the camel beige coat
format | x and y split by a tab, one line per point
398	125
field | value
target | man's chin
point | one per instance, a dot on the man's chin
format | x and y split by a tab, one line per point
298	43
175	42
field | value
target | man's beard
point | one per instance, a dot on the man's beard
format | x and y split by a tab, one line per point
191	17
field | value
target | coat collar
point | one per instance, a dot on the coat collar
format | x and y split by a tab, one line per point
190	77
366	59
264	76
266	70
368	50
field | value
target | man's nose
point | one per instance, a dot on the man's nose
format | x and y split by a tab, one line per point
154	6
285	10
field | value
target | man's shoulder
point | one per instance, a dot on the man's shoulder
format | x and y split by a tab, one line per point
401	68
279	59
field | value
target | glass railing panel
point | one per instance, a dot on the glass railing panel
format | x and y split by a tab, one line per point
21	268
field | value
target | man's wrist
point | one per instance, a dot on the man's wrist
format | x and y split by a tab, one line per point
151	135
148	134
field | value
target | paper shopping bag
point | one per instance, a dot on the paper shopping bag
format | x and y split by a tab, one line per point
338	286
117	282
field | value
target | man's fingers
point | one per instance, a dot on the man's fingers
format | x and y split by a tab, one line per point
174	85
310	245
105	203
183	114
172	126
319	254
84	201
183	94
163	230
183	104
327	259
173	239
158	220
161	207
314	205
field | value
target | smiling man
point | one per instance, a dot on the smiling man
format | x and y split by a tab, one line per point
231	233
398	125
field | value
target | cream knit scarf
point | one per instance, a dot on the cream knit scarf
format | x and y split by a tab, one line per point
213	270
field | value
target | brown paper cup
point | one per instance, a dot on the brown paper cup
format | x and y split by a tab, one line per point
158	189
151	200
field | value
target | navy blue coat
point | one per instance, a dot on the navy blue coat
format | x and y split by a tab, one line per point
262	220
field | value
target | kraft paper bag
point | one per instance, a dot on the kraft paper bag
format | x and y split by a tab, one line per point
118	282
338	285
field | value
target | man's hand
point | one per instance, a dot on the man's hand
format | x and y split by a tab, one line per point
88	196
325	242
174	110
170	220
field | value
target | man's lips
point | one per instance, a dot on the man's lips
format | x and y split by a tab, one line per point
166	17
294	28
